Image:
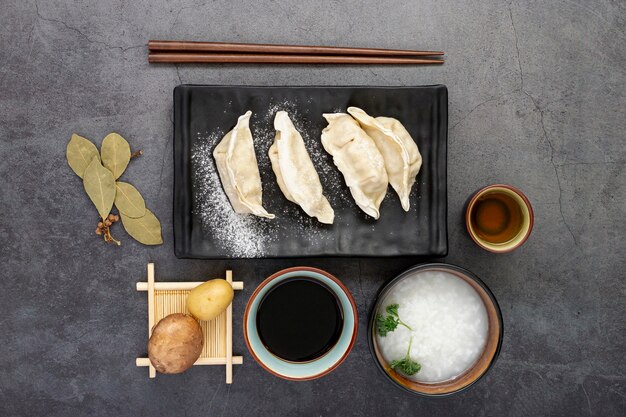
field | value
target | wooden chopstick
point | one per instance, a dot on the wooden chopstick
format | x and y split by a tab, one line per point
195	58
222	47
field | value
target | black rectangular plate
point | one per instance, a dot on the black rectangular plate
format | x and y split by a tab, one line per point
206	227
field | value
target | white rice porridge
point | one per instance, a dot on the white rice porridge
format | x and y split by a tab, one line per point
449	322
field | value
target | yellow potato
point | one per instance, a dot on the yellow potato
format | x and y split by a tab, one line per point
209	299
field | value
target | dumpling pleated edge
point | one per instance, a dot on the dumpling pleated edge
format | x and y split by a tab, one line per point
227	171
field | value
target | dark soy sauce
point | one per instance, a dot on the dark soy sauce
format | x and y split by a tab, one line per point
299	320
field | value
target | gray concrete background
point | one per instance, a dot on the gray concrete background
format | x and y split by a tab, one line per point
537	99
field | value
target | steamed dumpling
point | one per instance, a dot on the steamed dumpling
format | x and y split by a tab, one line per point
402	158
238	169
295	173
355	154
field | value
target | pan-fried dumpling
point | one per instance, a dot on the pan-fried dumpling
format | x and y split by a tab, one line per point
238	169
402	158
295	173
355	154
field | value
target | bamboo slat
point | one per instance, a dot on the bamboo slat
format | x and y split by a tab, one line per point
229	335
165	298
143	286
237	360
151	320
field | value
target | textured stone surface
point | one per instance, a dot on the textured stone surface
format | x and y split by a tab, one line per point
537	99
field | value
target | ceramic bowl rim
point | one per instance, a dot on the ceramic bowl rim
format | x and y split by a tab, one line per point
278	274
425	266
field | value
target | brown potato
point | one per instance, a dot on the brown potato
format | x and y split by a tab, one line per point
208	300
175	344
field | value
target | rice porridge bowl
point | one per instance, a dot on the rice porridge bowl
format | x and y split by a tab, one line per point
441	326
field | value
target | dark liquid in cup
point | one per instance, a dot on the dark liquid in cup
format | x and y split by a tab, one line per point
299	320
496	217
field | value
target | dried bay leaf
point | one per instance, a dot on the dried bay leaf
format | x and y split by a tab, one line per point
146	229
80	152
115	154
100	187
129	201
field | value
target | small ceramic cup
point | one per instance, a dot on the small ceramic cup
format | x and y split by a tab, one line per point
527	218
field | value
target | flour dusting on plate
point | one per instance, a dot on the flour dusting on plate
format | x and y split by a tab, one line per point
243	235
246	235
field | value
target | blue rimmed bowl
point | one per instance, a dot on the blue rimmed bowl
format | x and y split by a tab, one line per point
321	366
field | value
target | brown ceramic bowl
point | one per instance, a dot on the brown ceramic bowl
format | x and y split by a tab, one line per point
528	218
471	375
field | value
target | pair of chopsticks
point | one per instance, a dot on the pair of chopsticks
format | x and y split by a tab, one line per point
220	52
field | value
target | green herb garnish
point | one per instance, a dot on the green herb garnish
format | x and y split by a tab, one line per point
389	323
406	365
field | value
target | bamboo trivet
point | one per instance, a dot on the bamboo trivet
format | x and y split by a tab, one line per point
165	298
